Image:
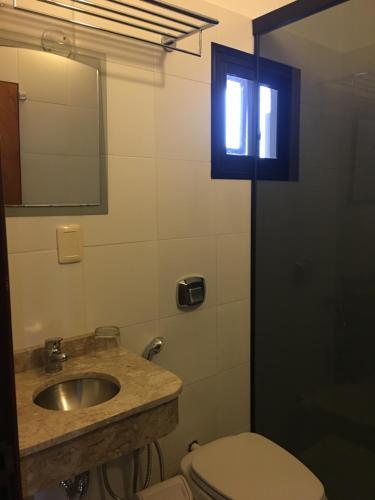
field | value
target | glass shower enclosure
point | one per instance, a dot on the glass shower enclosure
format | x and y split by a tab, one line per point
314	242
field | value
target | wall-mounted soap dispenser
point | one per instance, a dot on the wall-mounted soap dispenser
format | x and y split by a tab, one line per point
191	291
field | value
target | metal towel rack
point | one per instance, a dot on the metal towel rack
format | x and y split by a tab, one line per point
164	23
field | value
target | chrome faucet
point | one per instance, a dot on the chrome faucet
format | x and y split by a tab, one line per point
54	355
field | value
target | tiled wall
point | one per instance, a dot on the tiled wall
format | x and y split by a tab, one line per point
167	219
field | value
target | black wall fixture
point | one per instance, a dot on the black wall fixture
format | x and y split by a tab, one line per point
291	13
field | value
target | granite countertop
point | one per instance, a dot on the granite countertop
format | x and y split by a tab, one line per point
144	385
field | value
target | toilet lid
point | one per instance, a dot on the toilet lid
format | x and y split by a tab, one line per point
249	466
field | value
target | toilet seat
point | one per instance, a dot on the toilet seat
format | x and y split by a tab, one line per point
249	466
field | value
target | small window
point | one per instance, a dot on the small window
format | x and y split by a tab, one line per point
255	112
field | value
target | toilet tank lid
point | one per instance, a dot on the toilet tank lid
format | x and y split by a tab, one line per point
250	466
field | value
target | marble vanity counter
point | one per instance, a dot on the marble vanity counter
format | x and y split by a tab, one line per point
144	385
55	444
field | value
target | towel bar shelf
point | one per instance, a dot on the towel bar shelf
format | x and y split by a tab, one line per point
165	24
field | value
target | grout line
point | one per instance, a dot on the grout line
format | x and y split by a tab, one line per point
186	78
210	235
217	297
120	243
233	301
134	242
181	313
226	370
39	251
159	157
200	380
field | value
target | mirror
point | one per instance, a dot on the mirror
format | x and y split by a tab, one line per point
50	144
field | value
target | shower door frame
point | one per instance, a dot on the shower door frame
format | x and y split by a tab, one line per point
288	14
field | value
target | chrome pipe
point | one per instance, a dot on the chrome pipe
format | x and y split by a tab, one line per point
74	8
103	30
153	13
130	16
182	11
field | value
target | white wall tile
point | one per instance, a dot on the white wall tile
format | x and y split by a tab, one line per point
235	30
119	50
185	199
131	204
233	267
233	334
130	123
28	28
193	68
29	234
182	258
232	206
183	119
137	337
190	344
46	298
233	393
251	8
197	421
121	284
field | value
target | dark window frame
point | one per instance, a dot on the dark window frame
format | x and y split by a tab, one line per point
291	13
286	80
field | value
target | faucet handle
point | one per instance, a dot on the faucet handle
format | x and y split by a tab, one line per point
53	343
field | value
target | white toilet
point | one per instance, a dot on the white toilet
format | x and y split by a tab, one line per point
243	467
248	467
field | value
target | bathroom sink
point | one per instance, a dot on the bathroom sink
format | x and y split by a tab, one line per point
77	393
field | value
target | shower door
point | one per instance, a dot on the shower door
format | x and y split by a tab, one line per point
314	242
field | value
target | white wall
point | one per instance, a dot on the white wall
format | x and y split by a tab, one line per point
167	219
251	8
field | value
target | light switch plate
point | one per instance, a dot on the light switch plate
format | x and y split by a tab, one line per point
69	243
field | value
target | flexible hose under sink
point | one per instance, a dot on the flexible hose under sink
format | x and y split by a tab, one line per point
107	485
159	452
146	484
147	481
161	460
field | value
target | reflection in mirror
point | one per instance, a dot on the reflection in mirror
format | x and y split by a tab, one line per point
49	129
